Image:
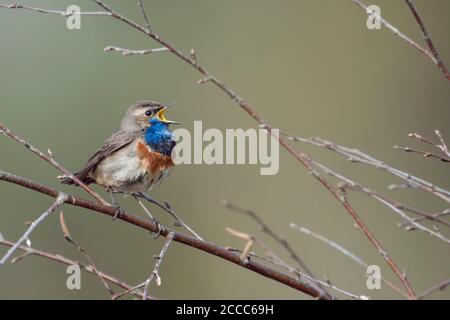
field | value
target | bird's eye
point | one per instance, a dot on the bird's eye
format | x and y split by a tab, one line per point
148	113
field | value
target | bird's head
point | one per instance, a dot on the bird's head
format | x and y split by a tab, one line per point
143	114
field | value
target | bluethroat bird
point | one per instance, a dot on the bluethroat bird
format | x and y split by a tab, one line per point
136	157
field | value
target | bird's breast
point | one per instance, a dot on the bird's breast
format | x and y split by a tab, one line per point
152	161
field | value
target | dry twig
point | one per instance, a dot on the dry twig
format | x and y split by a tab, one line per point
155	273
266	229
433	56
271	257
279	263
438	287
442	147
50	159
144	14
130	52
345	252
168	208
427	38
28	251
357	156
347	183
69	238
61	198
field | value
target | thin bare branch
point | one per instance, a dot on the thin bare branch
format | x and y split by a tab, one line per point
29	251
61	198
427	38
297	272
438	287
431	216
345	252
363	227
130	52
130	290
350	184
266	229
279	239
357	156
168	208
155	273
417	136
144	14
68	237
397	32
425	154
441	147
269	255
50	159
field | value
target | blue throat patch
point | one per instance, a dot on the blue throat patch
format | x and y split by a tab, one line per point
158	137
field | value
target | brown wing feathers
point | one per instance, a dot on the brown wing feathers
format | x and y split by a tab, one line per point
115	142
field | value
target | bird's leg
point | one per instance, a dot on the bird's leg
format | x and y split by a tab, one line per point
119	210
160	227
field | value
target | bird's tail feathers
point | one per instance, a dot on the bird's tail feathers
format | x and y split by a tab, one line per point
65	179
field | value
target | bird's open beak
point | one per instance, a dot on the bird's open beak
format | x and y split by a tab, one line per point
161	115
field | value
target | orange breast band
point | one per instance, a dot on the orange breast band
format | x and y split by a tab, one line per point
151	160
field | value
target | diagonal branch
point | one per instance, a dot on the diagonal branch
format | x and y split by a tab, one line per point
432	56
61	198
68	237
210	248
168	208
345	252
427	38
442	147
425	154
425	215
350	184
141	6
272	256
279	239
438	287
357	156
159	258
66	261
50	159
275	261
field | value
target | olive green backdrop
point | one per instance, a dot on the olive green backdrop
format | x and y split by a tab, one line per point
309	66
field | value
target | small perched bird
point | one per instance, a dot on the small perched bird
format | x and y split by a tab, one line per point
137	156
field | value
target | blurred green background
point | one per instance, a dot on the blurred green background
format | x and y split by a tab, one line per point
310	67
